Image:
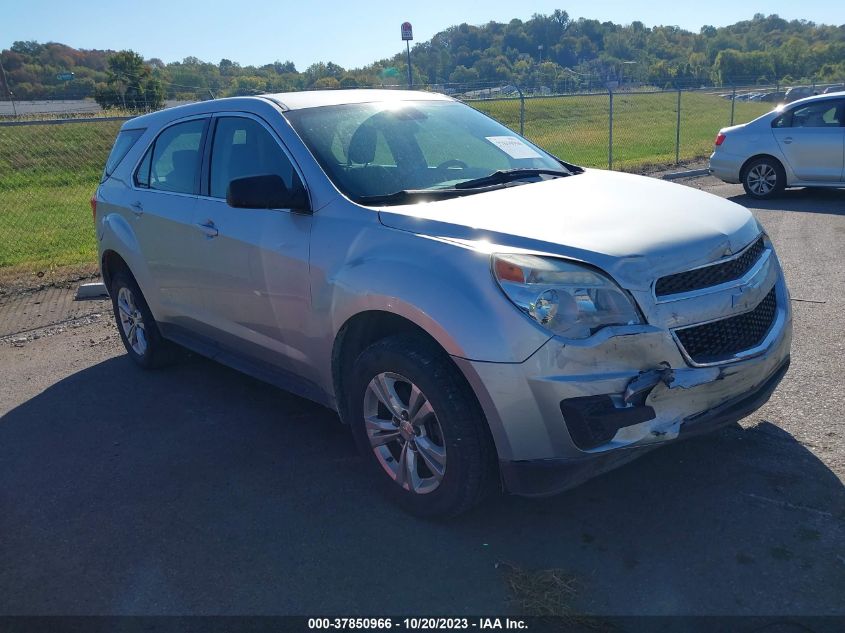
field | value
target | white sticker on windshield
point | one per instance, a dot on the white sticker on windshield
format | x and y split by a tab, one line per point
513	147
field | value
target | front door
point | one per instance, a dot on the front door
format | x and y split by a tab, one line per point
255	261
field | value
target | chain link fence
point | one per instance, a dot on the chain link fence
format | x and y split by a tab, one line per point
50	167
628	130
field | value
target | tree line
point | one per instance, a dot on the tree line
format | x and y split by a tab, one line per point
547	52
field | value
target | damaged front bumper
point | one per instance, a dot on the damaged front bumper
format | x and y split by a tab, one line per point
576	409
542	477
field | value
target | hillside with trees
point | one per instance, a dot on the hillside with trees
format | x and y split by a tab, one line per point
552	52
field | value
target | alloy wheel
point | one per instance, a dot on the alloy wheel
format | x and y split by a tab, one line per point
762	179
132	321
404	433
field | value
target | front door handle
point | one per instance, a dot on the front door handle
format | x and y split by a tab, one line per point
137	208
787	140
208	229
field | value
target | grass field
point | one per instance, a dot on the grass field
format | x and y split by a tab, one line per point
47	176
48	172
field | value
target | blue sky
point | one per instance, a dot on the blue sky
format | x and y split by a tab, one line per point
347	32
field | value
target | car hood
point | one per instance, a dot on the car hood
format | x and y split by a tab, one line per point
635	228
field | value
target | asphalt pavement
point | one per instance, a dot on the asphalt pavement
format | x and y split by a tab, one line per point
197	490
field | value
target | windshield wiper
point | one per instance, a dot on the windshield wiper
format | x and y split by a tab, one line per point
496	180
509	175
406	195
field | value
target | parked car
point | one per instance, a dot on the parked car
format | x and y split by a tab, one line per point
799	145
798	92
773	97
830	89
480	313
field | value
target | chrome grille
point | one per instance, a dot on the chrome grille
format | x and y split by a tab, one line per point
710	275
720	340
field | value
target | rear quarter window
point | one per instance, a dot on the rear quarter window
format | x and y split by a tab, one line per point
122	144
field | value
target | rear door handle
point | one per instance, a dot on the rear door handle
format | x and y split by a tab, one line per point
137	209
787	140
209	229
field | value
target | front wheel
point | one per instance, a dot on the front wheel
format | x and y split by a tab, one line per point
419	427
764	178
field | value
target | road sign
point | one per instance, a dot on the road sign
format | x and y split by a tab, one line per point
407	31
64	76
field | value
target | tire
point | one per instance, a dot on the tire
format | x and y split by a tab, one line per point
763	178
136	325
429	447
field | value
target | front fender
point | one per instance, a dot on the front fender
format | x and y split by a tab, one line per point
445	288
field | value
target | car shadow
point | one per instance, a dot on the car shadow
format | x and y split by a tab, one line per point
808	200
197	490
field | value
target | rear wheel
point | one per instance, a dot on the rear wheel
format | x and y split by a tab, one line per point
419	427
136	325
764	178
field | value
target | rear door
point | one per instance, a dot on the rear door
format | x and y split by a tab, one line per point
162	205
812	138
254	261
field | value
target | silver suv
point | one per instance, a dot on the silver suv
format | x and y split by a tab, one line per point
479	312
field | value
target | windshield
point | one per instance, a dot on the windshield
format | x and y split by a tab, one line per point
372	150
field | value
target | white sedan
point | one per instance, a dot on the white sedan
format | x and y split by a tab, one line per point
801	144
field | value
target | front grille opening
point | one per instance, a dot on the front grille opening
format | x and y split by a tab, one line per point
721	340
710	275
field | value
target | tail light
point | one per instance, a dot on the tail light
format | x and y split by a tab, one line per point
94	206
720	138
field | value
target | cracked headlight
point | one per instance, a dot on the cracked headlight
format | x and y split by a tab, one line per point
569	299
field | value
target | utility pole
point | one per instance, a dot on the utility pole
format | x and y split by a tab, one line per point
8	90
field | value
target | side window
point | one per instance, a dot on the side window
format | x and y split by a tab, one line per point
784	120
821	114
175	161
243	147
122	144
142	175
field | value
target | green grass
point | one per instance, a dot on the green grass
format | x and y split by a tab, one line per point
47	176
48	172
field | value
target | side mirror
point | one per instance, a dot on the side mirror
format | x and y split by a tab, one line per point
266	192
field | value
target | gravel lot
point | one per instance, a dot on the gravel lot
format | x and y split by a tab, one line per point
196	490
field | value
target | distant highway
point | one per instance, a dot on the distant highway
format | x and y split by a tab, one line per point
71	106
